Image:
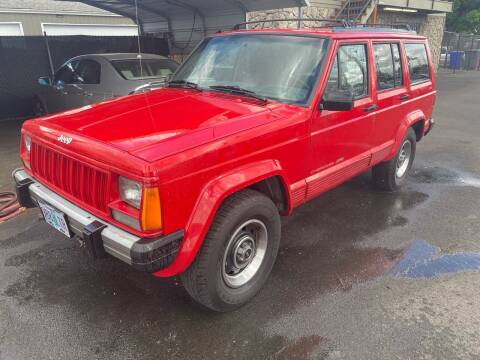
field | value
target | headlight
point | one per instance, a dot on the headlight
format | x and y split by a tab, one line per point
130	191
27	141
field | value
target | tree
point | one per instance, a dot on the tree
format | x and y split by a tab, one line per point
465	17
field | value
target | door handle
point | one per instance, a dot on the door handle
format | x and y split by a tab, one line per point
404	97
370	108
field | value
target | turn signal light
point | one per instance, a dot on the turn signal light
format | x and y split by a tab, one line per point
151	215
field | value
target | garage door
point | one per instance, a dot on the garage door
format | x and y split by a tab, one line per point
11	29
88	29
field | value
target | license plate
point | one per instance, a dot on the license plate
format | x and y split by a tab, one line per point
55	218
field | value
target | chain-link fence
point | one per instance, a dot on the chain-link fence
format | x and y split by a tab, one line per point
460	51
23	59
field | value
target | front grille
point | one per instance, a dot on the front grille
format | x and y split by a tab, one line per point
81	181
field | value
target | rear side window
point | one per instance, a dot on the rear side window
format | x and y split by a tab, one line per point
349	71
397	65
388	65
417	62
384	65
131	69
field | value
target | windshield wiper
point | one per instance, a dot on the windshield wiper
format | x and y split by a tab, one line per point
238	90
183	84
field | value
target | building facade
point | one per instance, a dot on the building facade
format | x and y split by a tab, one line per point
427	17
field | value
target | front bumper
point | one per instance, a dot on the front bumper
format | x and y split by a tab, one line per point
99	236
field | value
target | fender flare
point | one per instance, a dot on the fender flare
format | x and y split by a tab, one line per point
407	122
210	199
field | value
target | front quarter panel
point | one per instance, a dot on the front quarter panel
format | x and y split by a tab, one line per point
212	196
194	182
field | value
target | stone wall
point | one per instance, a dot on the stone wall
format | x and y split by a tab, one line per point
308	12
431	26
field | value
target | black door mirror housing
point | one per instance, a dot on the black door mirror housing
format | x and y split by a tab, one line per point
337	100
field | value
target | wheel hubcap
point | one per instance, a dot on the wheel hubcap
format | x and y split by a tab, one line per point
403	160
245	253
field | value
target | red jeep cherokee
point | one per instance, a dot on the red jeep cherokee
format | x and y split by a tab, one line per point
192	179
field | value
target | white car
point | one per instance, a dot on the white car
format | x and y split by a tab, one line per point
88	79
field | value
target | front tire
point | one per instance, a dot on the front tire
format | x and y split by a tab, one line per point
390	175
237	254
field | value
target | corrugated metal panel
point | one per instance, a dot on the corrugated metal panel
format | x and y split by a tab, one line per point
189	21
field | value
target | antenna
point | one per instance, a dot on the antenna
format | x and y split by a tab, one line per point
139	56
49	53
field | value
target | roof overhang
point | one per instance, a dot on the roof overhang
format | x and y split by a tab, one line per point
188	21
426	6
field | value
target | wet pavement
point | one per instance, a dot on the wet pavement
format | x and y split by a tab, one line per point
361	274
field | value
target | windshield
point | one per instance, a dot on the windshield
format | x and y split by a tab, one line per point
151	68
279	67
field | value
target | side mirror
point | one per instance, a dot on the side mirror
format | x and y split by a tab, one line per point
337	100
44	81
59	84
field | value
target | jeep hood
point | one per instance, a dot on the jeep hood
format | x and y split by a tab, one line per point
137	123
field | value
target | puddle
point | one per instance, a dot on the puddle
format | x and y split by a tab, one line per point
439	175
424	260
430	175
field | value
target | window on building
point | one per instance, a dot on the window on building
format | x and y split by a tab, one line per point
350	70
417	62
388	65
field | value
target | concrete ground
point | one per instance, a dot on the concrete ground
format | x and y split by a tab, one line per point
361	274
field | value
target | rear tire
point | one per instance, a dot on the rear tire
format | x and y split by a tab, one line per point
390	175
237	254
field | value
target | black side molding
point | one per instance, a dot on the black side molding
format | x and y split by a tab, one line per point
156	254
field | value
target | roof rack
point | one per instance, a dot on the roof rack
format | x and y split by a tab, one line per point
335	25
299	20
397	27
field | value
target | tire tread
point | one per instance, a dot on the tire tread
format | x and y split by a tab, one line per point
195	278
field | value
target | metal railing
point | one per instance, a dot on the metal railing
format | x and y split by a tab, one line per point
460	51
353	10
299	21
336	25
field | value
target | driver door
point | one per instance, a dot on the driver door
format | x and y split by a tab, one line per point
341	141
57	94
85	88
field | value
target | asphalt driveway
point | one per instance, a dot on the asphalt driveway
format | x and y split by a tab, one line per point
361	274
